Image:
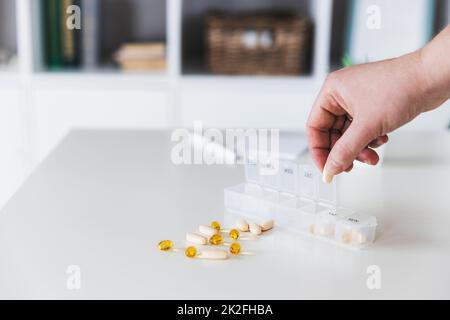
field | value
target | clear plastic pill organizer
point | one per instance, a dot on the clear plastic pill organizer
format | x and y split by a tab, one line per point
297	199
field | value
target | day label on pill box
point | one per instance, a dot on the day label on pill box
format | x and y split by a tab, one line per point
288	177
308	182
270	174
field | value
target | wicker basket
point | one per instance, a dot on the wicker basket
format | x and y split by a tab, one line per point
257	43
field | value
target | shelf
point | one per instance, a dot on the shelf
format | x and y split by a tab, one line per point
252	83
101	80
119	22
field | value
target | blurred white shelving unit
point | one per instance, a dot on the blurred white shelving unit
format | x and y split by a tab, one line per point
107	98
39	106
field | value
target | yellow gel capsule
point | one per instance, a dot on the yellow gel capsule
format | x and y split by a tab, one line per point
191	252
235	248
165	245
215	225
216	240
234	234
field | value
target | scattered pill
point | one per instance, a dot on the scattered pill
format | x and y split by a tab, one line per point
267	225
216	240
206	230
213	254
215	225
190	252
235	248
234	234
165	245
254	228
196	238
242	225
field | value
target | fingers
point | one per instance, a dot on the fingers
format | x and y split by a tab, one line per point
378	142
368	156
350	146
320	122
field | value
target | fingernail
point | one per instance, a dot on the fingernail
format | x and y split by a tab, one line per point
327	177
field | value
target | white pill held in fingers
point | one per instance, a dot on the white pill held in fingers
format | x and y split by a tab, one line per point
327	177
207	230
254	228
267	225
242	225
196	238
213	254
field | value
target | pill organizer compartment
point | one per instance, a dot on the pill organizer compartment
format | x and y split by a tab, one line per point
288	177
255	202
313	197
297	215
299	201
325	225
243	198
356	230
252	172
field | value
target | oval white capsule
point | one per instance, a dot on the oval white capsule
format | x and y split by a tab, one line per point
326	230
242	225
254	228
196	238
213	254
207	230
359	237
267	225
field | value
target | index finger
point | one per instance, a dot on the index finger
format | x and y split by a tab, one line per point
324	115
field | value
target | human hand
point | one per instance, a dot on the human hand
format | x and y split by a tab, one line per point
358	106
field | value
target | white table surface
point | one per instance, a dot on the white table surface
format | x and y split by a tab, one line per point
103	200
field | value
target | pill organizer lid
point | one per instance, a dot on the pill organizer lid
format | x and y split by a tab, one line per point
288	176
333	213
307	182
269	171
359	220
311	186
251	169
327	193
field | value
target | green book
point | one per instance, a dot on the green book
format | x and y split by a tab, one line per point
51	20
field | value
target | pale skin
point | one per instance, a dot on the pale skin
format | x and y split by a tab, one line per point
359	106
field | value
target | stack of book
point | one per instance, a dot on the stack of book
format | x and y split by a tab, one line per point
146	56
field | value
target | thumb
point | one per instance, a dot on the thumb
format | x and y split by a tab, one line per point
346	149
